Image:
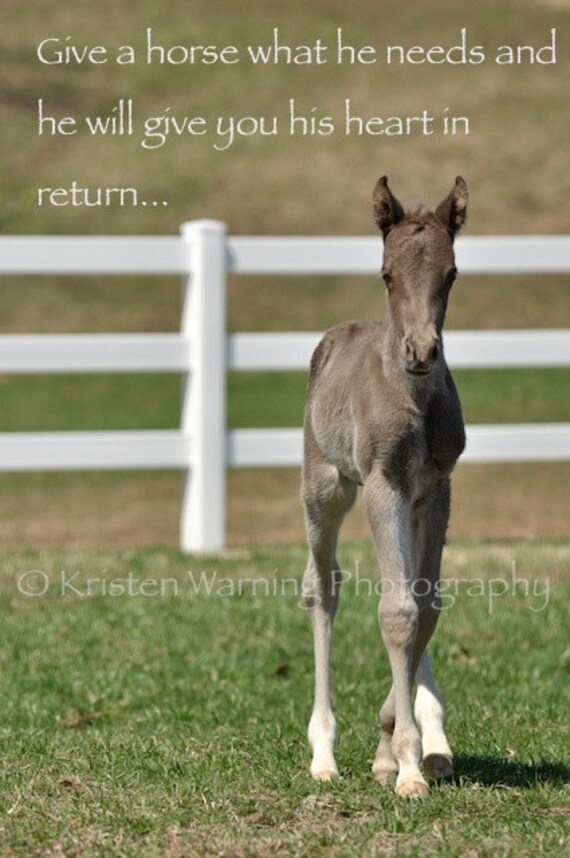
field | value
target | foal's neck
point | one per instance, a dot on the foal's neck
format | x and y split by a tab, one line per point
419	388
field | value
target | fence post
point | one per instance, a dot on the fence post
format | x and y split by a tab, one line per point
202	526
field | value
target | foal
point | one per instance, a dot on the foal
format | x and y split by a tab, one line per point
382	412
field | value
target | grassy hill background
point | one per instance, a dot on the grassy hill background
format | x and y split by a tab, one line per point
515	160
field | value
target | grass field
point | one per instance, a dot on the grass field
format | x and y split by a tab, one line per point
172	722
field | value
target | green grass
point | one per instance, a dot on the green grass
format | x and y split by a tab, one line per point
152	401
175	724
145	401
501	396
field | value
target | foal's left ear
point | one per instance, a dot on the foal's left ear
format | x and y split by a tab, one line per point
452	212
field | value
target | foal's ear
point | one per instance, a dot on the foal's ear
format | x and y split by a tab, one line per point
452	212
387	210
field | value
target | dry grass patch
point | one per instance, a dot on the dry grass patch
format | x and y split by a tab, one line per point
94	510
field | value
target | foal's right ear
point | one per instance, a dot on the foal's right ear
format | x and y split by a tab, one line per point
387	210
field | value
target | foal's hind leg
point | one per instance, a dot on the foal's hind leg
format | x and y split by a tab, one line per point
327	496
385	767
429	537
430	715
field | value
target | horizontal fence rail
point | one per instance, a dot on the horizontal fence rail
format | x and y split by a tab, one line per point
548	442
463	350
110	353
343	255
151	255
22	452
74	353
203	353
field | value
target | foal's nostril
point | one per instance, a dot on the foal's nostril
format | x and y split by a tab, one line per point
421	354
410	351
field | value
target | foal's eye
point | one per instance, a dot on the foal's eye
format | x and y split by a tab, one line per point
387	278
450	276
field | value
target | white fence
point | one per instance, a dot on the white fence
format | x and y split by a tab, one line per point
202	447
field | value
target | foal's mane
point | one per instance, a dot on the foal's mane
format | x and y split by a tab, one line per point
419	215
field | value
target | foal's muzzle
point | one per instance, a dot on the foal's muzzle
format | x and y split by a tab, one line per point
421	354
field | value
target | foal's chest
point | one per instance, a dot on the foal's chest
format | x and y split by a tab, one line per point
424	449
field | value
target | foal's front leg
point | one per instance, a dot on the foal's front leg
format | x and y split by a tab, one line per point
389	514
327	496
321	597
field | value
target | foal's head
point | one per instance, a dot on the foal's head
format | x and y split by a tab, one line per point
418	269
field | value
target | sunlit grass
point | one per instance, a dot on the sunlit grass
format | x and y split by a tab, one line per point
173	722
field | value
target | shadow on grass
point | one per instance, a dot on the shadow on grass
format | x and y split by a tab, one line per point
494	771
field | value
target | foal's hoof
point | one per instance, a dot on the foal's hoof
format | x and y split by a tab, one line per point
413	789
385	776
325	775
437	766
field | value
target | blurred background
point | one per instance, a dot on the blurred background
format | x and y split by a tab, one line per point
515	161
